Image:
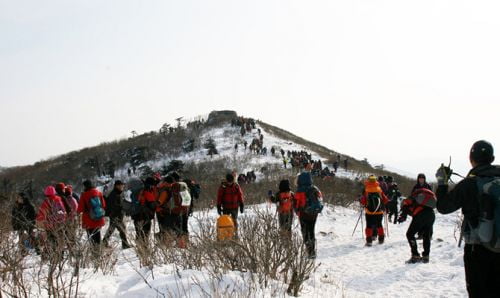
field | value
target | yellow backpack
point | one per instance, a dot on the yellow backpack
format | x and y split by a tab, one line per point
225	228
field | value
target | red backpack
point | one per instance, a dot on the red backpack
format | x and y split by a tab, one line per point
285	201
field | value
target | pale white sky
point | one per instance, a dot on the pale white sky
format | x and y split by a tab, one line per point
404	83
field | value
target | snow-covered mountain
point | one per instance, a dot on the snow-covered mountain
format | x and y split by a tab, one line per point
188	143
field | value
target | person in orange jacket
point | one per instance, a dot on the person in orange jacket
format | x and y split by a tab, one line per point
148	203
374	201
163	210
285	200
92	206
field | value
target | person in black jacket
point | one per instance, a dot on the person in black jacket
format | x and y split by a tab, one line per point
23	217
482	263
114	210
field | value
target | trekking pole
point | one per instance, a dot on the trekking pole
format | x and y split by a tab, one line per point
362	225
386	223
357	223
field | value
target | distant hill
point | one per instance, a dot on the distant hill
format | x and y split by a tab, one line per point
204	149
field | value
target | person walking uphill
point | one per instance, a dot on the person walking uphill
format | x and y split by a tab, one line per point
420	205
114	210
229	199
284	199
308	204
147	206
51	218
374	201
23	217
92	206
478	195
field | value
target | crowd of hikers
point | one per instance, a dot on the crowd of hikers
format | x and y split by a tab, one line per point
170	200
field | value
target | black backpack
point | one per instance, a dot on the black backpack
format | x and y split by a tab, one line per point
374	202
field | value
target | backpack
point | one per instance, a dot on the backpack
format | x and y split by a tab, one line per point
374	202
314	201
487	231
180	197
424	197
285	201
96	211
130	204
194	188
56	214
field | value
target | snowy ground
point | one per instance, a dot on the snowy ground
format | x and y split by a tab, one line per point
347	268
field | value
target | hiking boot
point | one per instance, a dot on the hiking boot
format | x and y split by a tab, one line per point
105	243
381	239
414	260
369	241
425	259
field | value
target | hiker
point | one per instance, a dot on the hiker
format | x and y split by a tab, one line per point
284	200
230	198
475	195
421	183
23	218
392	207
51	217
335	166
73	194
374	201
163	210
308	204
179	202
346	161
92	206
147	207
383	184
114	211
420	206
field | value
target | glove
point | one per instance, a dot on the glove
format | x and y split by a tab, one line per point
270	193
241	208
443	174
219	209
402	218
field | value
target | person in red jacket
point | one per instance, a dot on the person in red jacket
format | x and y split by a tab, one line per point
284	200
51	217
374	201
230	198
92	205
148	204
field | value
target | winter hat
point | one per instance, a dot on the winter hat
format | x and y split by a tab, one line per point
421	176
150	181
482	152
380	179
60	187
305	179
284	185
176	176
50	191
372	178
87	184
229	178
119	182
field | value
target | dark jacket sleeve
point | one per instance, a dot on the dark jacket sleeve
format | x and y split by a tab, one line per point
462	196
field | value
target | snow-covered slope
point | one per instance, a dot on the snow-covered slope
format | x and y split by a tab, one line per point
242	160
346	267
